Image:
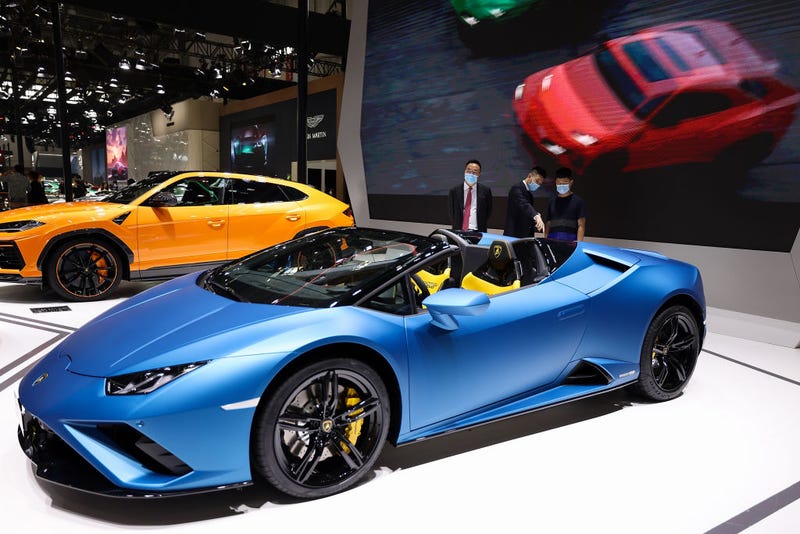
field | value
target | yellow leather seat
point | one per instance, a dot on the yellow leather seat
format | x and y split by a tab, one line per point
434	282
498	274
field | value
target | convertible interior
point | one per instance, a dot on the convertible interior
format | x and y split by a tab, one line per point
503	266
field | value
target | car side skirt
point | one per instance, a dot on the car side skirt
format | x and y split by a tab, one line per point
549	398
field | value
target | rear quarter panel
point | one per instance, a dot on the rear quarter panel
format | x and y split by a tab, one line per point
622	310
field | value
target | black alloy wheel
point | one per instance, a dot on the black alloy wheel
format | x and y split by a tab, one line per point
669	354
322	429
83	270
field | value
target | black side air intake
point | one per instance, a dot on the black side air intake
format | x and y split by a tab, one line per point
587	374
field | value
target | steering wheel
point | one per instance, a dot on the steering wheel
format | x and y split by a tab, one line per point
421	289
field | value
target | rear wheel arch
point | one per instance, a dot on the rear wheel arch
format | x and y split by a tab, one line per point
688	302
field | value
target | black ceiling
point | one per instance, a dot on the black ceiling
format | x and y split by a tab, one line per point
177	50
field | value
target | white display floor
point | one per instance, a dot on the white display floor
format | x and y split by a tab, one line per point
724	457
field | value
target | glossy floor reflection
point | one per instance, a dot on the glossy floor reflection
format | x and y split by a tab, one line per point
721	458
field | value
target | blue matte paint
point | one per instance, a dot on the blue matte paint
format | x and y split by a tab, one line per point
469	360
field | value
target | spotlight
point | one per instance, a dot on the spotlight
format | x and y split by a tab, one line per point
124	64
160	89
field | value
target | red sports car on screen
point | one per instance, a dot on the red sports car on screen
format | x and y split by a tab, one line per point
684	92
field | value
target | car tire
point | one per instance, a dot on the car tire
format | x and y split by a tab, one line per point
669	354
82	270
740	156
308	443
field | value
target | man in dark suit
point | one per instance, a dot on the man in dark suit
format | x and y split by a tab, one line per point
479	207
521	217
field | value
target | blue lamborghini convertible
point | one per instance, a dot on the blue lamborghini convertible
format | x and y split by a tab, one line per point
294	365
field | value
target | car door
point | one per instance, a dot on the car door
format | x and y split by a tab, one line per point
521	343
194	232
261	215
688	128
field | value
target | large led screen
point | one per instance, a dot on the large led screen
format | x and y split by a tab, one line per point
116	154
679	123
263	140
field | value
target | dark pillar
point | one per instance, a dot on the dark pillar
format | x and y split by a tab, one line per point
302	86
62	99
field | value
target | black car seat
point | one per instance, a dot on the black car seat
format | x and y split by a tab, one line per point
500	272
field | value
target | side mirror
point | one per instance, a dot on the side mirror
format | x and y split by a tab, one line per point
162	199
444	305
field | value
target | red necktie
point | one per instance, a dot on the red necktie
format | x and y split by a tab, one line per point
467	209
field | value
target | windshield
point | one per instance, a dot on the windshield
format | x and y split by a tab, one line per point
137	189
321	270
618	80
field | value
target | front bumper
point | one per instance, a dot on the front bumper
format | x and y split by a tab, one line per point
58	463
191	436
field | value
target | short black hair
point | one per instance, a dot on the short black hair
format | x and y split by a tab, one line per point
539	170
563	172
475	161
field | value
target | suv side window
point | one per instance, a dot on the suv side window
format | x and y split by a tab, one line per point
690	106
198	191
292	193
251	192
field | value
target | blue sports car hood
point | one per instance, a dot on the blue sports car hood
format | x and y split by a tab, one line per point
175	322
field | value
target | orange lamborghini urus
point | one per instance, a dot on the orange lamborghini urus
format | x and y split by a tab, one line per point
168	224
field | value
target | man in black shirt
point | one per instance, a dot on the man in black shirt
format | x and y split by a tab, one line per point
522	219
567	221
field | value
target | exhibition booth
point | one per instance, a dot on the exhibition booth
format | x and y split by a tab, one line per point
427	88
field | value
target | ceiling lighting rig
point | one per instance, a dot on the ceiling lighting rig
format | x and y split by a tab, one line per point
120	65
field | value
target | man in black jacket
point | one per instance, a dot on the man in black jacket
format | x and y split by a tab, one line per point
521	217
472	199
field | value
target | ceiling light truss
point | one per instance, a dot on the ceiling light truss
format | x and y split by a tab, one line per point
167	64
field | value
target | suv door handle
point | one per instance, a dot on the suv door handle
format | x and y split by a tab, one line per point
292	217
216	223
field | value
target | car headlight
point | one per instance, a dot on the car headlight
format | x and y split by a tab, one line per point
19	226
584	139
553	148
145	382
519	91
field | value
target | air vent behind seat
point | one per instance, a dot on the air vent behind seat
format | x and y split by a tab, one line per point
611	263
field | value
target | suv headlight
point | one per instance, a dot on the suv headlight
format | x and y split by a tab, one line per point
145	382
584	139
19	226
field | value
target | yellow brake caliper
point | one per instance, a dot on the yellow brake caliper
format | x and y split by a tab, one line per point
353	430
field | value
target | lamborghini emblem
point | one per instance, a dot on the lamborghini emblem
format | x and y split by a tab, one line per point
497	250
327	425
41	378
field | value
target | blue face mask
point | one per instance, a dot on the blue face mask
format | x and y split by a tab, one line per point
562	189
533	186
470	178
